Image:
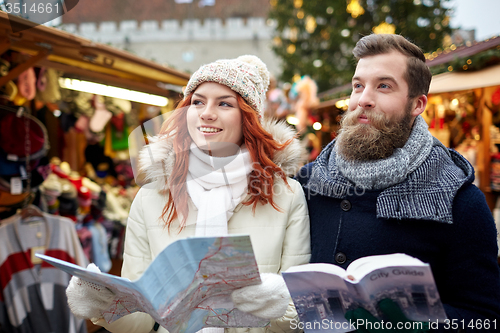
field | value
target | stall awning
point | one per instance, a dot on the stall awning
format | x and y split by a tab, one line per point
91	61
457	81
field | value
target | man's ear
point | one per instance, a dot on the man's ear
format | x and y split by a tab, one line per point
418	105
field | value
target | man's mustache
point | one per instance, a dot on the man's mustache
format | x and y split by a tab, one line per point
375	118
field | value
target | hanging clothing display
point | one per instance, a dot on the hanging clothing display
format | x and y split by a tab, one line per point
33	297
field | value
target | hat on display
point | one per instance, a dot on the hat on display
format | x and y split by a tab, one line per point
8	199
65	168
14	168
13	133
52	186
68	190
247	75
39	171
68	206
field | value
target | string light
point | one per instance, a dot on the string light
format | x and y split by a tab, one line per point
292	120
310	24
342	104
317	126
355	9
384	28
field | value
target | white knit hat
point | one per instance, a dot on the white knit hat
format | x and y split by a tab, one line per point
247	75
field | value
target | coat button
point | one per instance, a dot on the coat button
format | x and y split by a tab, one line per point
340	258
345	205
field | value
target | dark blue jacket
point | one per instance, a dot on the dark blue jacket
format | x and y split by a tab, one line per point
459	242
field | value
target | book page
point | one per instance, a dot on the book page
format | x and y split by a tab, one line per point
318	267
411	287
321	298
362	266
187	287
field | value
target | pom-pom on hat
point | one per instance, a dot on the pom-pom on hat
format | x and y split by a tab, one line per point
247	75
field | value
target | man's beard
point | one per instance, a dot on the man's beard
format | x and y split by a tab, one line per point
373	141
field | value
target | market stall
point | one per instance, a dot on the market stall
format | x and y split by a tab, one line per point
67	106
463	108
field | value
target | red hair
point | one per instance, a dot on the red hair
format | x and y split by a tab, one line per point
258	141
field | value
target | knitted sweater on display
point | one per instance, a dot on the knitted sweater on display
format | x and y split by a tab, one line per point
33	296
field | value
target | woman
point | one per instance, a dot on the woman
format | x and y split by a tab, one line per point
217	123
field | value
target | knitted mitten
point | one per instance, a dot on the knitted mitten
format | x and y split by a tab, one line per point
87	299
267	300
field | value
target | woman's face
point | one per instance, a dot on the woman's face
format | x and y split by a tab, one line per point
214	119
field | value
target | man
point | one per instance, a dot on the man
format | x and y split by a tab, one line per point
385	185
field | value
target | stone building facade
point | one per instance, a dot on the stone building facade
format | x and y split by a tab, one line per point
182	34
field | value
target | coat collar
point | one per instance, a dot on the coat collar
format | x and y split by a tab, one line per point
156	160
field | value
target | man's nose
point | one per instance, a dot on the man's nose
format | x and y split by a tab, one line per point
367	99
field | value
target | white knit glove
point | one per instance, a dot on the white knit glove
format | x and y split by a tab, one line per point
268	300
86	299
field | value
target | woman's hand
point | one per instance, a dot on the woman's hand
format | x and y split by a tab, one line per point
86	299
267	300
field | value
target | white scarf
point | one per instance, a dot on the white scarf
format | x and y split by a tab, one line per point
216	185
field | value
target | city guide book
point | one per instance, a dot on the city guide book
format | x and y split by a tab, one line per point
323	293
187	287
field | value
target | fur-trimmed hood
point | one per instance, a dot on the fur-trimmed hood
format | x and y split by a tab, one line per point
156	160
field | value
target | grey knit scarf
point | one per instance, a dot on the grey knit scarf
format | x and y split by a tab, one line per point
380	174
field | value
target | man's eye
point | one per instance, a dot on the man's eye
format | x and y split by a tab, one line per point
384	86
357	85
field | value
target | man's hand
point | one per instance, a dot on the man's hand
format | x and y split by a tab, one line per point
397	321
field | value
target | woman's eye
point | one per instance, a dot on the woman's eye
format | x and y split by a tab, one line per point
196	102
225	104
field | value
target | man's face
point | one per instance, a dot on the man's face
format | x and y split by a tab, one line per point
380	115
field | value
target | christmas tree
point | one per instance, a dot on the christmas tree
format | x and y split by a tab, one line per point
316	37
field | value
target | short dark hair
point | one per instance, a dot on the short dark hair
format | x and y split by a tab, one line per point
418	75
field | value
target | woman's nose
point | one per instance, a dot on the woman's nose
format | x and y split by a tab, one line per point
208	113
